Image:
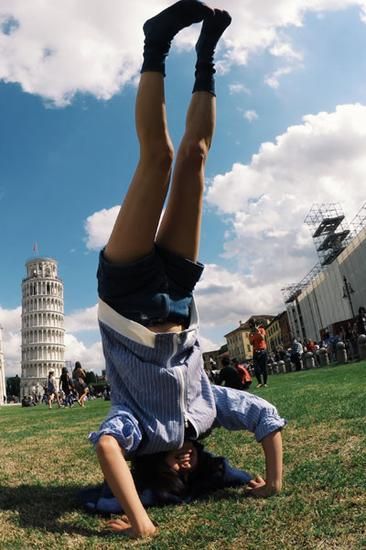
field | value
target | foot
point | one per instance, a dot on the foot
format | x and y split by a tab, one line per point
212	29
259	385
265	385
166	24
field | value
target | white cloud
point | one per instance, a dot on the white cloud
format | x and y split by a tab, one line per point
82	320
207	344
58	49
237	88
285	50
273	79
321	160
225	297
250	115
98	227
91	357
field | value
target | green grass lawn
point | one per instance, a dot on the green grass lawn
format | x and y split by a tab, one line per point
45	459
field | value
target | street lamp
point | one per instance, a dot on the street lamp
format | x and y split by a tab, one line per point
347	293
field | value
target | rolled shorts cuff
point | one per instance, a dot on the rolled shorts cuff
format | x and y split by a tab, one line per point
184	273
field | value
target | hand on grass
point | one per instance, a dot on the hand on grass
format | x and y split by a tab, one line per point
259	488
123	526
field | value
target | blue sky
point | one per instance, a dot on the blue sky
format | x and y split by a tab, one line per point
291	91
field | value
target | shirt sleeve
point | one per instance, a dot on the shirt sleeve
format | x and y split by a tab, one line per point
240	410
121	425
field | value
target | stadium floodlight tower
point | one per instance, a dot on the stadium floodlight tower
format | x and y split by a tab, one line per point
329	229
2	371
42	325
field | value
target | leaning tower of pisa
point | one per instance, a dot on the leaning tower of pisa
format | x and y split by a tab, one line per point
42	324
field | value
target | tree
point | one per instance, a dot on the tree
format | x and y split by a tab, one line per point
90	377
13	386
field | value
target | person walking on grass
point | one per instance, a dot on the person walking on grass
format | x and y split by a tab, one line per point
52	392
160	393
79	377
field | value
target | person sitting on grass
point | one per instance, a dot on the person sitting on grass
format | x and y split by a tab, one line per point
160	393
229	376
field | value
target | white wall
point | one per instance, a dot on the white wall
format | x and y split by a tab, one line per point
321	303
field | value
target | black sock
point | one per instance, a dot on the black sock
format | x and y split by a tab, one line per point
212	29
161	29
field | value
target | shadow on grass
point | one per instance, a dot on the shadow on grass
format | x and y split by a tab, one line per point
42	507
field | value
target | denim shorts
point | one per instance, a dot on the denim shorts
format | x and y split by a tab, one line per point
154	289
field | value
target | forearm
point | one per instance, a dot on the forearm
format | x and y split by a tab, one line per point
272	448
119	479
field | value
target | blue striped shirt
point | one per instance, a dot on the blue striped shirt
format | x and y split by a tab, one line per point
158	385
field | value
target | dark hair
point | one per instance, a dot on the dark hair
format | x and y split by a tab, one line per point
78	365
152	472
225	361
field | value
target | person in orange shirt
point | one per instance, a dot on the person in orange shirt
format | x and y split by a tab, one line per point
257	338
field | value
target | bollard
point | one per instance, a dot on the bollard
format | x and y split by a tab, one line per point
309	360
288	365
362	346
281	367
324	359
341	353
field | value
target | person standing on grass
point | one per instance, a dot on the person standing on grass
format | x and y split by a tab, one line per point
52	390
257	338
160	393
361	321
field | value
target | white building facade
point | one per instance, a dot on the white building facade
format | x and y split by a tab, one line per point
324	302
43	346
2	371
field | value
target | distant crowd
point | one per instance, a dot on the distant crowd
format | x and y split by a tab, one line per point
235	374
68	391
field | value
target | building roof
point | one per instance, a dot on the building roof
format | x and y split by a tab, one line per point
245	326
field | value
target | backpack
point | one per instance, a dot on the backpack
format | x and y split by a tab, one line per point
244	374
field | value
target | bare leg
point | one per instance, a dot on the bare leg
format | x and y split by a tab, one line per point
180	228
135	228
134	232
179	231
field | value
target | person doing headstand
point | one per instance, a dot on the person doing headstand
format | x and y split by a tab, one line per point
160	394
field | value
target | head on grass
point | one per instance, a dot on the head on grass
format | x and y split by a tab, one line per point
181	472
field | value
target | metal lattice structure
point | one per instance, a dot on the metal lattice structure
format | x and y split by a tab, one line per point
359	221
291	292
330	231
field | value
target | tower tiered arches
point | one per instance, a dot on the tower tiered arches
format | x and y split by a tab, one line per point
42	325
